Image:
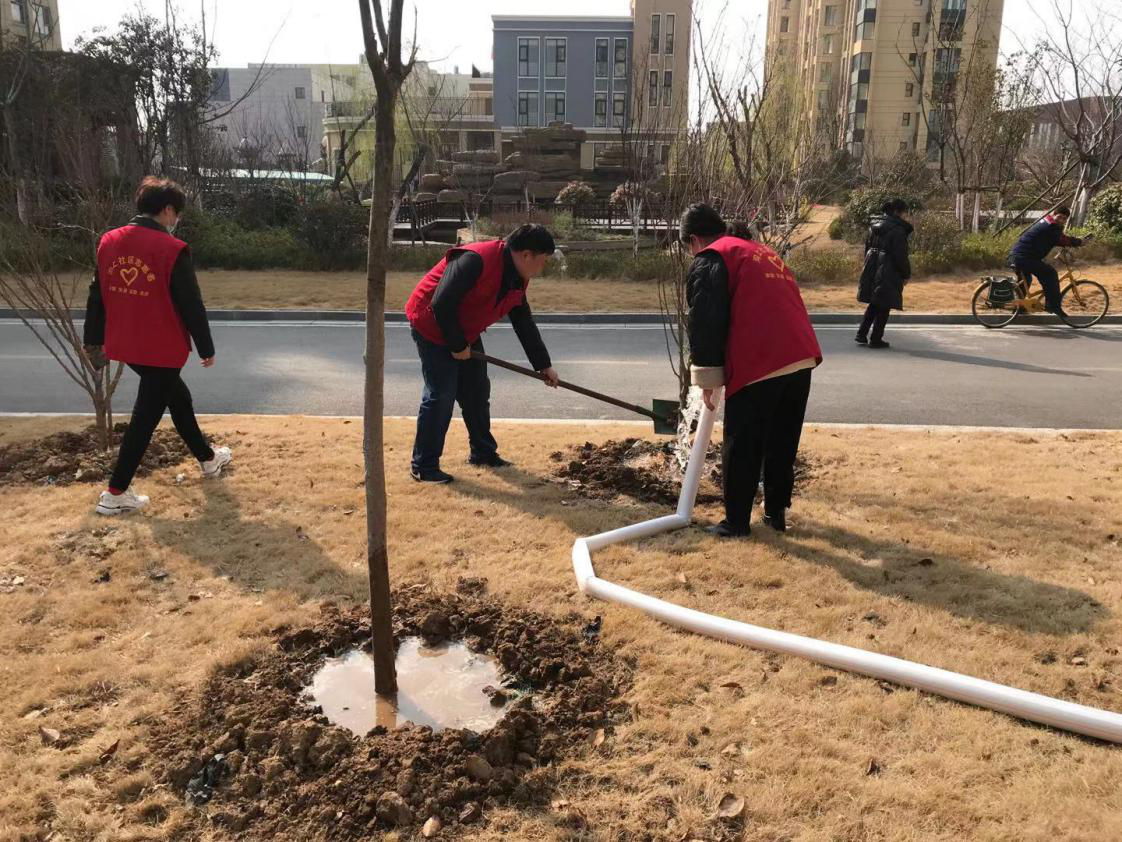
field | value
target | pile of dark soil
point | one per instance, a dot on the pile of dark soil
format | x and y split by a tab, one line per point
644	470
253	757
65	458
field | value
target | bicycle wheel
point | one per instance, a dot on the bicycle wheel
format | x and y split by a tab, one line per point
987	312
1084	303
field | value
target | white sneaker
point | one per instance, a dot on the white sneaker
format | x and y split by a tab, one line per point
120	504
222	458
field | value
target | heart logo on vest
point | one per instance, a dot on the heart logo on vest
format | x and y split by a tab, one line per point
776	262
128	274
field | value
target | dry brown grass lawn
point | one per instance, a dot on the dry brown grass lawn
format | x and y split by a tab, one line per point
285	289
993	554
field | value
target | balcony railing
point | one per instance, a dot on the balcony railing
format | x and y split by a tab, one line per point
432	108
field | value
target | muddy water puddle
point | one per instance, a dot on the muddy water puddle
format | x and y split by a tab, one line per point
439	686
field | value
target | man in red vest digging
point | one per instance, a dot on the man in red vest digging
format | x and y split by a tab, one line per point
749	332
464	294
144	308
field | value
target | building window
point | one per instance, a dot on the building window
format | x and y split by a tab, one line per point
904	145
601	58
828	44
786	4
17	11
555	57
302	132
665	157
667	87
528	108
784	24
555	107
656	33
911	59
670	34
825	72
42	21
909	89
300	93
619	110
830	16
906	120
621	59
915	29
652	88
866	19
528	49
601	116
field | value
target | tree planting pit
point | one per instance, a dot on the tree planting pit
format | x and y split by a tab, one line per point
442	686
252	754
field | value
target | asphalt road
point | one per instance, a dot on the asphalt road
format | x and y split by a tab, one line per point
1017	377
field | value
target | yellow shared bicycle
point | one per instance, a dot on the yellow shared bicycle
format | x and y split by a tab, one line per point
998	301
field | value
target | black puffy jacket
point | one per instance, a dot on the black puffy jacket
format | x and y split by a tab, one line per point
887	267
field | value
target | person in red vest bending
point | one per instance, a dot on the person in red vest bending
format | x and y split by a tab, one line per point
144	308
464	294
749	332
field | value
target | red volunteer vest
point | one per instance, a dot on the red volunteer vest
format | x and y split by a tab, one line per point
769	328
142	326
479	309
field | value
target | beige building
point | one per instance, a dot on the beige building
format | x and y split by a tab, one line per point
34	19
869	70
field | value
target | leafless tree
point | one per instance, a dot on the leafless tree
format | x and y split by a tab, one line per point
383	54
1079	68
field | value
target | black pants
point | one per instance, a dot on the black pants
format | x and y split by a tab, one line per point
1048	276
875	318
160	389
448	382
763	424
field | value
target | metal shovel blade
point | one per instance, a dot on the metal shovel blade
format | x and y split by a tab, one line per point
666	422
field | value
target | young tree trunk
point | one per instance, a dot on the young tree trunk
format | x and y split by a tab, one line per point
395	206
377	557
976	223
15	161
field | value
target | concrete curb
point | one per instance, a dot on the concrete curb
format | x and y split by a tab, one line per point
396	317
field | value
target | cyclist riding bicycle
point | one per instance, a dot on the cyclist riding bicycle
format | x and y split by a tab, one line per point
1027	256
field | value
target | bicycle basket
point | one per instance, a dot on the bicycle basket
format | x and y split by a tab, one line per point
1002	290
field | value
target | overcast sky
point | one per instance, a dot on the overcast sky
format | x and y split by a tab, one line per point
451	31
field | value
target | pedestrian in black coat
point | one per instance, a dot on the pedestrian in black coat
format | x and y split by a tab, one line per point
886	271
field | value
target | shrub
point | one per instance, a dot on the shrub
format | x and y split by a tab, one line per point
865	204
836	229
335	233
575	193
222	243
817	266
262	206
1106	211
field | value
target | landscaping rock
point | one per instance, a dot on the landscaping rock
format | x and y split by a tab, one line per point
478	769
451	196
517	180
479	156
432	182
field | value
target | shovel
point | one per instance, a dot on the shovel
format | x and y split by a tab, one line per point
664	413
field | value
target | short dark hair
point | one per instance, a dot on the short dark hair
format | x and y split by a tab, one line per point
535	238
739	229
154	194
701	220
894	207
1063	209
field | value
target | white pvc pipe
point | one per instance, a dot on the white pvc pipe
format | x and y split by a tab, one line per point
1081	719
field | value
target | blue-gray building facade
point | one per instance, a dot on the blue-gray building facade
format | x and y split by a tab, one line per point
556	69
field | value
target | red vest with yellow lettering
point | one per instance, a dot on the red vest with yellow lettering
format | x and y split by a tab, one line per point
769	328
479	309
142	326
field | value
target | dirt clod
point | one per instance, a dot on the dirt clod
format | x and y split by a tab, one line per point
295	770
69	457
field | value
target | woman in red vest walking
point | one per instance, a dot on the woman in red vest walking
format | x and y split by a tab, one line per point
463	295
144	308
749	332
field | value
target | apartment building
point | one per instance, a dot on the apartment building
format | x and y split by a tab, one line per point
602	75
34	19
268	114
868	70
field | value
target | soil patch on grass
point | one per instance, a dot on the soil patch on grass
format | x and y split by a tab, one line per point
252	754
68	457
643	470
